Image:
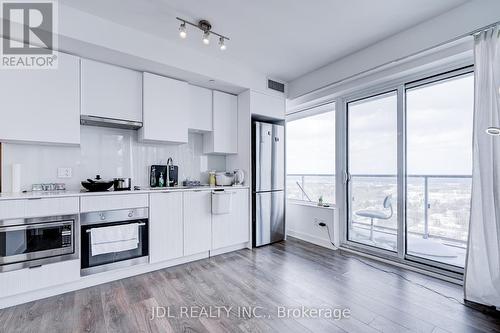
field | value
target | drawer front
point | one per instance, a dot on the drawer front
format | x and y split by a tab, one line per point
38	207
113	202
30	279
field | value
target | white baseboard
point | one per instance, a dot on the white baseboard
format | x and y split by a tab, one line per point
229	249
96	279
311	239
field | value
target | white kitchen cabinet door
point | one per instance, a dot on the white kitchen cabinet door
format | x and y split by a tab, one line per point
30	279
41	105
267	106
165	226
96	203
200	109
110	91
224	137
165	110
38	207
197	222
233	228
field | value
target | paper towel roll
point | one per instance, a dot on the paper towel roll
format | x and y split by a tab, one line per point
16	178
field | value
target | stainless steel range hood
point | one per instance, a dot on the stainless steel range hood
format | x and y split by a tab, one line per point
109	122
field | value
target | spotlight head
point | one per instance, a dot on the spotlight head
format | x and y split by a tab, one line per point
222	45
182	30
206	38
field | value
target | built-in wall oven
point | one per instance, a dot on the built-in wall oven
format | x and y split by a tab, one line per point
113	239
32	242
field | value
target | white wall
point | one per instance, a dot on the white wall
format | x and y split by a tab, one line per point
302	220
460	21
108	152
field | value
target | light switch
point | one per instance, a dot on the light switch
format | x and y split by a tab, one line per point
64	172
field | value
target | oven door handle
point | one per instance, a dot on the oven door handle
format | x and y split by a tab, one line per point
36	226
139	224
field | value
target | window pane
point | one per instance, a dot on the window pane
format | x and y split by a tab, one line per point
311	158
372	142
439	166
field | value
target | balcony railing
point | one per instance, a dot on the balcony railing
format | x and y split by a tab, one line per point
445	187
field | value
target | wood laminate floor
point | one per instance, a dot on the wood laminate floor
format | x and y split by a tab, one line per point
194	297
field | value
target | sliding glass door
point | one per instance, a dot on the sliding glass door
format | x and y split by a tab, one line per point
439	116
415	141
372	164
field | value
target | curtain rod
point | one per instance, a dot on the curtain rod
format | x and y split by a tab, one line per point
472	33
488	27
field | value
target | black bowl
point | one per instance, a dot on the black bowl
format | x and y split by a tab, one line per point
97	186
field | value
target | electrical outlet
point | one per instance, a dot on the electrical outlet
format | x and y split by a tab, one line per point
64	172
317	221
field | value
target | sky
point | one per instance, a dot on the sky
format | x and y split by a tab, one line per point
439	133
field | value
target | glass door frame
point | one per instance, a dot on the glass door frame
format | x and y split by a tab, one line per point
342	164
421	83
346	177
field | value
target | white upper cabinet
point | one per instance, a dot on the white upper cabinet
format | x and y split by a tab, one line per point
200	109
165	110
110	91
41	105
267	106
224	138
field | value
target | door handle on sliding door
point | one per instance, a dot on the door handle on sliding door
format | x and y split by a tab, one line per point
347	177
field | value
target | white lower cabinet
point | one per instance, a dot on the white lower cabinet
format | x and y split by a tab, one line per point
165	226
31	279
197	222
38	207
232	229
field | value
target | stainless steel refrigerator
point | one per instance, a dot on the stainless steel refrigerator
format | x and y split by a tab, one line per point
268	183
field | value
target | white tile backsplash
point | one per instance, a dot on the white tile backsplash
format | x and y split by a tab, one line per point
108	152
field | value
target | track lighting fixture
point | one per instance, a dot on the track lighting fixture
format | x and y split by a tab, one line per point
204	26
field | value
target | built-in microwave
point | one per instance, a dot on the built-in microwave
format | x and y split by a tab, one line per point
32	242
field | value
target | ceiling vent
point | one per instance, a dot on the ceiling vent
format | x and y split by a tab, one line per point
275	85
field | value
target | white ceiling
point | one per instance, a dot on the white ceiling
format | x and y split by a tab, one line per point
284	39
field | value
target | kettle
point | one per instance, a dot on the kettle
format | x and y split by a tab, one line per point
239	177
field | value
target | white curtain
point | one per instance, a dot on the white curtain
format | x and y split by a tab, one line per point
482	275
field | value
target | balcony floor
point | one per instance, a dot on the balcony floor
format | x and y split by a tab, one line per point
444	251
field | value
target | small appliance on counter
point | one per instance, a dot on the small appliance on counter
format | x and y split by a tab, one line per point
224	178
97	184
239	177
164	175
122	184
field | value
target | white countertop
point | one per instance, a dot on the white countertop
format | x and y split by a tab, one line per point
58	194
